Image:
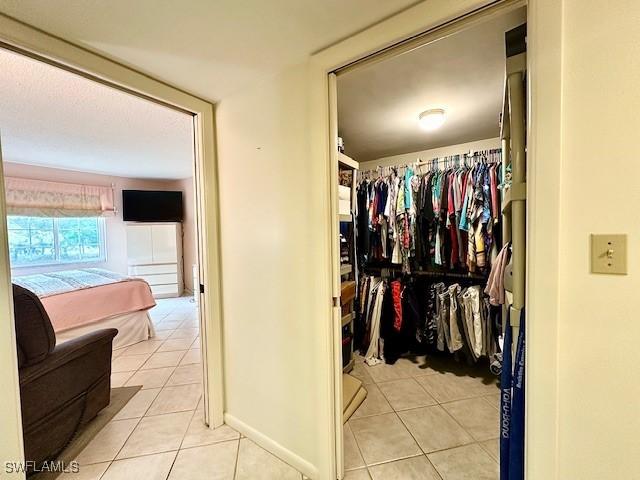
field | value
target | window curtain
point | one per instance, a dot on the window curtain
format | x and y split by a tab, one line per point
38	198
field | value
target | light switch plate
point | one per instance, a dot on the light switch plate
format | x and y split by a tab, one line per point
609	254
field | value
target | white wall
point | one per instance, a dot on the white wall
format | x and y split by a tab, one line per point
599	371
407	158
544	24
270	267
189	241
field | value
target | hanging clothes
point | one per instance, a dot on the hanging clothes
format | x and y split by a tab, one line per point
398	342
396	291
405	315
445	218
427	335
373	356
495	283
454	311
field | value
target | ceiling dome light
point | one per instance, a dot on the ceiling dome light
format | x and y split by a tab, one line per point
431	119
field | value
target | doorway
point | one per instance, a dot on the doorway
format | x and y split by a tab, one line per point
415	390
200	200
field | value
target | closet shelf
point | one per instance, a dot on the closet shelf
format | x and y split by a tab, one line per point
347	161
506	202
349	366
516	192
345	217
431	273
346	319
346	269
353	394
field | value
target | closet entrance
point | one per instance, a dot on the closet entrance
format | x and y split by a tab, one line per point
430	254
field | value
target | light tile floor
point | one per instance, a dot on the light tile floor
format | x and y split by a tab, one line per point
424	419
421	420
160	434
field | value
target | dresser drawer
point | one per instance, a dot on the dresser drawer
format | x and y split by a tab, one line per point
165	290
161	279
138	270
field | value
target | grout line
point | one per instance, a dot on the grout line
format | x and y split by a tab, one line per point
219	442
126	440
460	423
435	469
425	389
372	415
151	403
426	455
172	465
462	399
235	465
460	446
139	419
487	451
189	425
170	413
404	457
357	446
146	455
481	397
394	460
105	470
411	433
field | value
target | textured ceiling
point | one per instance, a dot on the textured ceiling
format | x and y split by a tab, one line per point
379	104
209	47
54	118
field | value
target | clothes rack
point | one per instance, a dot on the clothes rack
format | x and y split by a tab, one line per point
459	160
401	315
428	273
427	233
461	197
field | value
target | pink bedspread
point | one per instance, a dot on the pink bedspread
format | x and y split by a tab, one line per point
80	307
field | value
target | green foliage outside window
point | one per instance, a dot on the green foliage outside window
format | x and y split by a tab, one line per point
42	240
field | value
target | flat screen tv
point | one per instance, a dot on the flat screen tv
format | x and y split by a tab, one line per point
151	206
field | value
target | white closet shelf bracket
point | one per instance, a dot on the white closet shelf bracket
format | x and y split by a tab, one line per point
347	161
516	193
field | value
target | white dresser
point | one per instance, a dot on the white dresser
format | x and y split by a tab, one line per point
154	253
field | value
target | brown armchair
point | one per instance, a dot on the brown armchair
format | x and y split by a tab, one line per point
61	386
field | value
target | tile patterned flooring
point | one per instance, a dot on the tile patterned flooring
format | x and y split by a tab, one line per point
420	421
424	420
160	434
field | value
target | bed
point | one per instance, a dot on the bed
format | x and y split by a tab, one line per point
83	300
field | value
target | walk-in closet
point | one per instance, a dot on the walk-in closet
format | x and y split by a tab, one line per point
431	212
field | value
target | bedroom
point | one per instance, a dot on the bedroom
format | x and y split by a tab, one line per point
102	233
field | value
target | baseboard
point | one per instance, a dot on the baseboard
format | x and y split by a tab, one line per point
272	446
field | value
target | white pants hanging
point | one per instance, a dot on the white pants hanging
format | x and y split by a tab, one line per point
472	303
374	352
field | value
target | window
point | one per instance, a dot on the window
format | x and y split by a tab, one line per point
44	241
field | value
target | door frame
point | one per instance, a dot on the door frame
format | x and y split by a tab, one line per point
26	40
544	22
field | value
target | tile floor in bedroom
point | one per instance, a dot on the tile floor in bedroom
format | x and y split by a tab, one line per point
424	420
160	433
